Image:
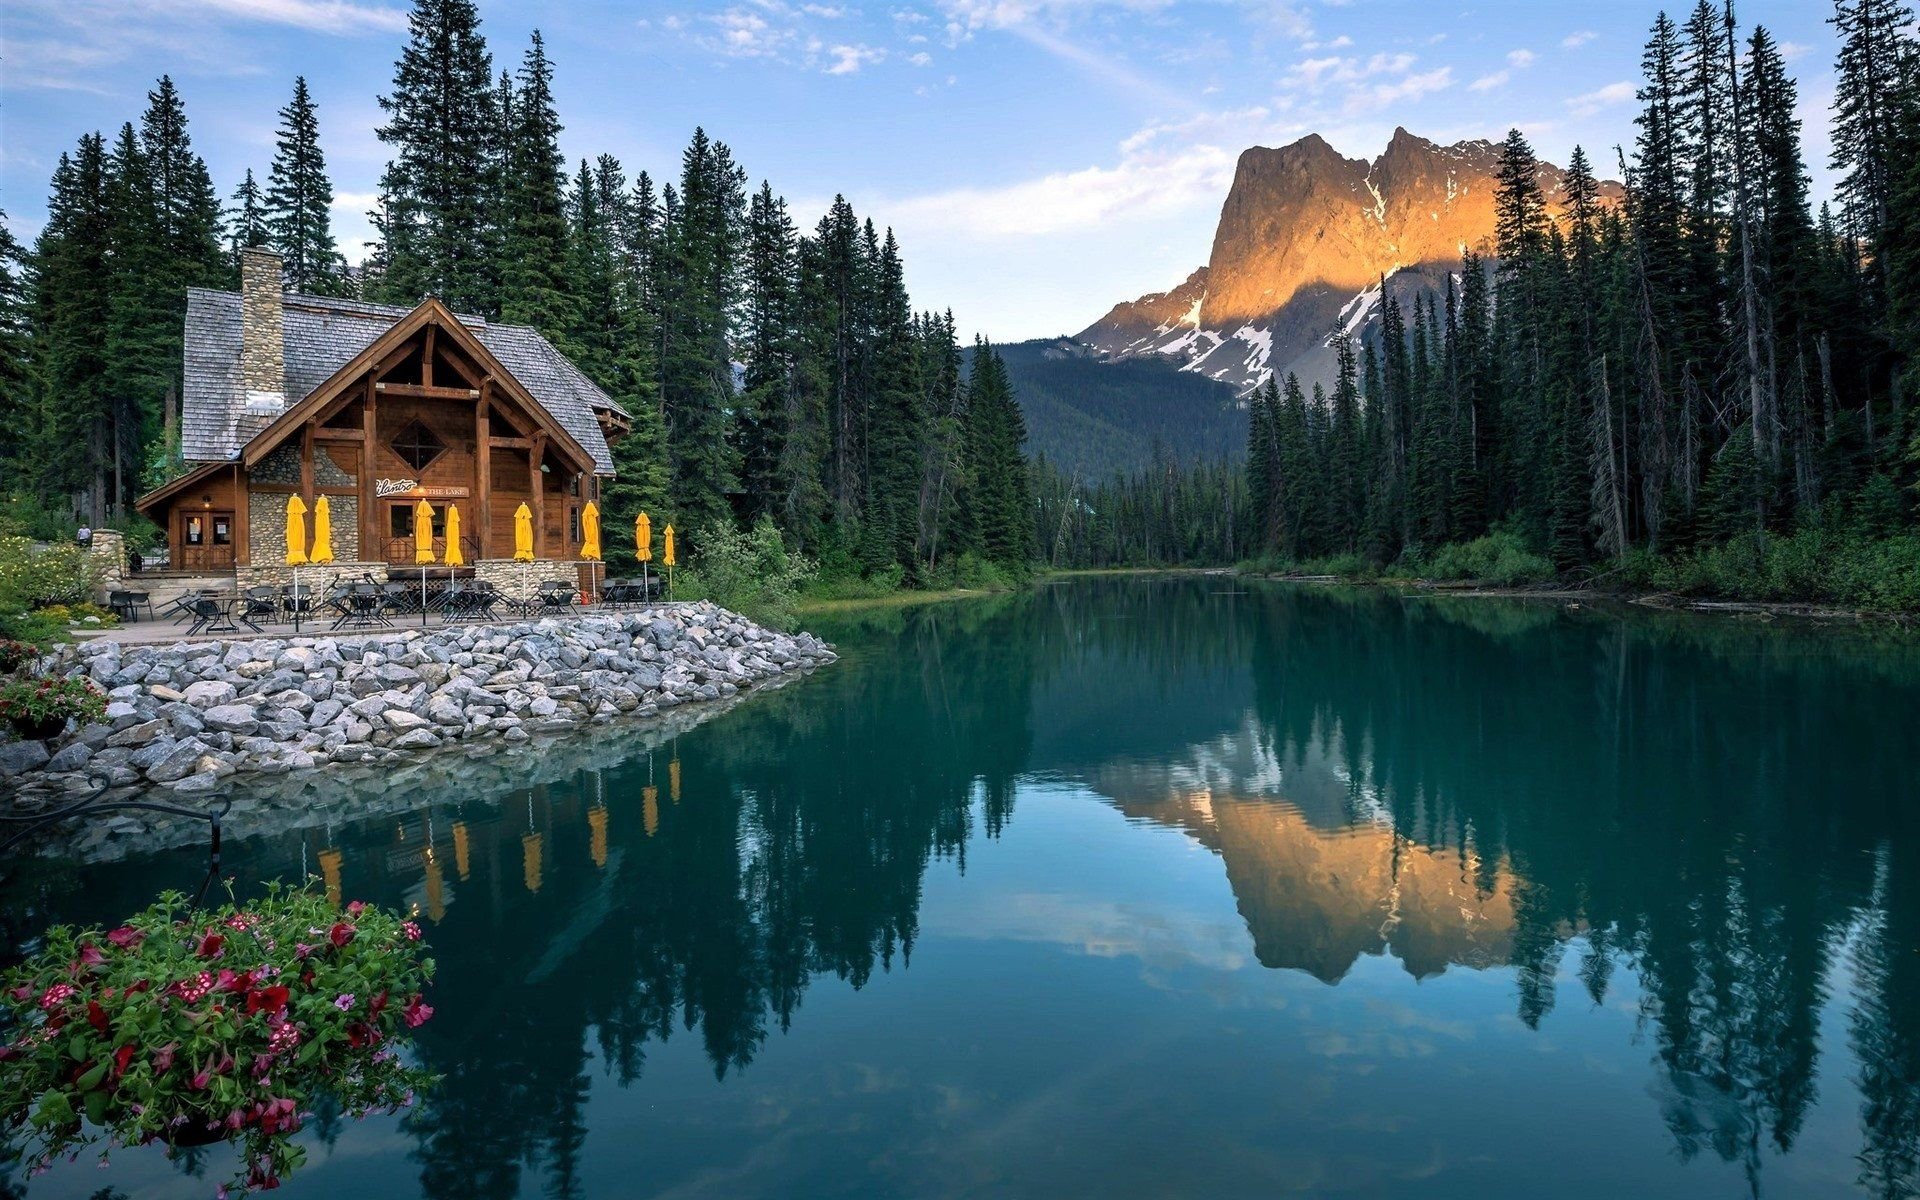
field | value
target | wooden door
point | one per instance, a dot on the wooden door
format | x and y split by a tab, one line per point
206	539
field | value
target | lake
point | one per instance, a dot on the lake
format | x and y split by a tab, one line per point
1157	886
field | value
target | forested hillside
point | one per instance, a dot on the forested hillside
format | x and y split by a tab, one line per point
1708	386
773	371
1091	418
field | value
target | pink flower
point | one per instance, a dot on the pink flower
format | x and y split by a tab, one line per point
344	1002
356	907
163	1058
411	930
56	995
302	950
285	1037
416	1013
195	991
90	955
126	938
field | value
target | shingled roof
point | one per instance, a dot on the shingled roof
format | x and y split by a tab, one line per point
320	336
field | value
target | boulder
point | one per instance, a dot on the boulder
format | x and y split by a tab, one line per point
210	693
232	718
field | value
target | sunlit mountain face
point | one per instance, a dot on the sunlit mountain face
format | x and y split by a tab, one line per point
1278	871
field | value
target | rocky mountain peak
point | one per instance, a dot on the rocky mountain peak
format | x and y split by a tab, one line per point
1304	238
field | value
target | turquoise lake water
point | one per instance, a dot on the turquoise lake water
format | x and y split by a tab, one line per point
1156	887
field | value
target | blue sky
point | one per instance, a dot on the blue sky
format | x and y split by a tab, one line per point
1040	159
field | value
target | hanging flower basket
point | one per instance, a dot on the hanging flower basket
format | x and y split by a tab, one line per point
38	709
188	1028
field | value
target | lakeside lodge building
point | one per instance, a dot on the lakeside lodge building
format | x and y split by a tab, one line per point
377	408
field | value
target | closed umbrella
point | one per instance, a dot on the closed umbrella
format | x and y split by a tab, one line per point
322	531
423	550
296	531
590	542
666	556
643	547
454	558
523	545
296	548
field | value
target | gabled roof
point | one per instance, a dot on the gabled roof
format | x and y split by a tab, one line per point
322	335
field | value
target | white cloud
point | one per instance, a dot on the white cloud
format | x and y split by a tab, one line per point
1520	58
1578	38
324	16
1411	87
1588	103
921	59
1487	83
848	59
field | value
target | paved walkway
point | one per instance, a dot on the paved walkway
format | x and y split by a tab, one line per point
164	632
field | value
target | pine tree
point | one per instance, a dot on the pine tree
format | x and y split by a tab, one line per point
247	219
300	202
533	275
441	188
66	443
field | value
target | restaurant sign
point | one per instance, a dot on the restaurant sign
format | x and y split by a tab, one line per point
414	489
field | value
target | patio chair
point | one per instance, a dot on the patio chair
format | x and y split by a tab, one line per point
556	596
365	607
399	599
127	604
181	609
297	599
211	616
259	603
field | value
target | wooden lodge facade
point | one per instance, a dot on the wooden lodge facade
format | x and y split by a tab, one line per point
376	408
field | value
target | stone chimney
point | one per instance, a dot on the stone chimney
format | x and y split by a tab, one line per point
263	363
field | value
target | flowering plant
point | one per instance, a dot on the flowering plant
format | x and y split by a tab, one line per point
15	654
185	1027
34	706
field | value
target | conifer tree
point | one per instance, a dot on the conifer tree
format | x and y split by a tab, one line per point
300	202
247	218
533	289
440	189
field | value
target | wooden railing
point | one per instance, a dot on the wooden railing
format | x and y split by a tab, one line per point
399	551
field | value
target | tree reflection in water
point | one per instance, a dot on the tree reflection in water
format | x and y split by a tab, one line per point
1457	784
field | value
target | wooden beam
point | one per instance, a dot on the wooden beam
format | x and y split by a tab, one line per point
325	433
306	463
483	465
510	443
242	550
424	391
369	438
426	357
537	454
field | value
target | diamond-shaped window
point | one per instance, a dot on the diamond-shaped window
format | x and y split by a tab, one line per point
417	446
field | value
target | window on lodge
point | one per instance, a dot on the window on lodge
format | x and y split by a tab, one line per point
400	520
417	446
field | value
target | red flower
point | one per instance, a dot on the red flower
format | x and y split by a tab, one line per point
377	1005
356	907
212	945
267	1000
96	1016
90	955
340	934
360	1034
126	938
121	1058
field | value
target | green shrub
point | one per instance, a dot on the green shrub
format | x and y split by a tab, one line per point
33	577
1499	558
749	572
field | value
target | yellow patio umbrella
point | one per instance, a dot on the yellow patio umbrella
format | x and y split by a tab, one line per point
590	546
523	533
666	556
423	549
296	531
322	531
454	557
590	531
643	549
423	532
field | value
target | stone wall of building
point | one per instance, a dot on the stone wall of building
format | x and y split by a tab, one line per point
521	580
280	575
267	528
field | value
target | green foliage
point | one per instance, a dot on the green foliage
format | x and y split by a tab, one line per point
1499	558
182	1026
298	208
750	572
1821	565
33	577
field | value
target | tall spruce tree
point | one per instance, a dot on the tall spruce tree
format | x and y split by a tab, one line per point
300	202
533	289
441	189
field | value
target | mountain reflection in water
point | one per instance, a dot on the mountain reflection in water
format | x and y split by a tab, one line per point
1703	821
